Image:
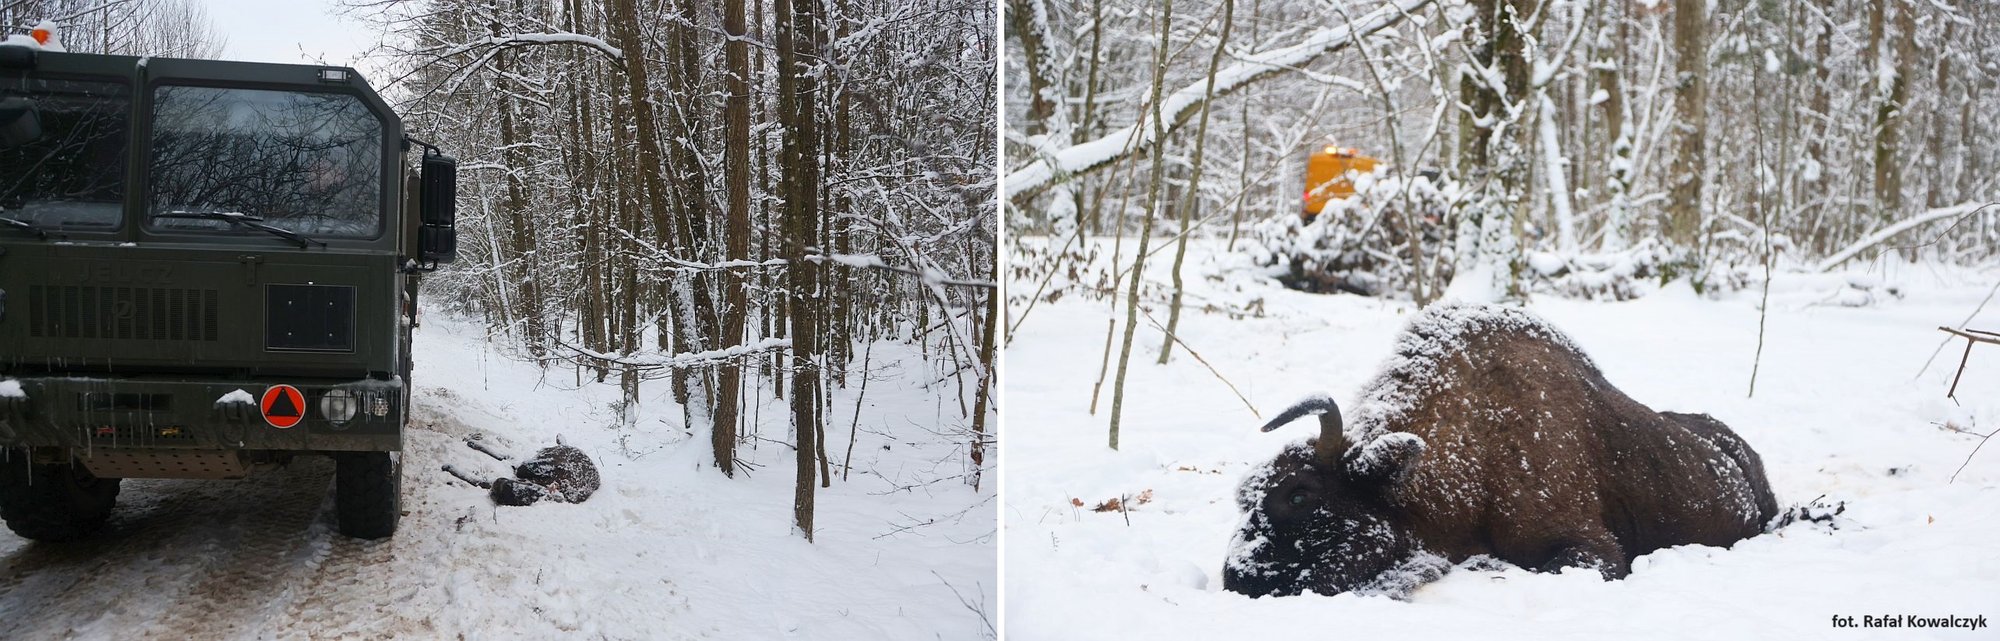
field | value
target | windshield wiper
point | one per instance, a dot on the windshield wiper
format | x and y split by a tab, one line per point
25	226
245	220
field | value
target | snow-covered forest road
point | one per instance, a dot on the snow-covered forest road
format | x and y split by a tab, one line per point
668	549
219	559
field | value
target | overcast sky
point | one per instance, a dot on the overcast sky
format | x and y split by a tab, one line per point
293	31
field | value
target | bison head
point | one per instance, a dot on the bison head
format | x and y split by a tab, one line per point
1322	515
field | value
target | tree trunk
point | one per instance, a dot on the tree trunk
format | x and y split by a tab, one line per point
1494	160
797	40
1684	201
981	406
1190	205
736	161
1243	170
1937	192
1617	126
1029	20
1138	274
1889	117
521	226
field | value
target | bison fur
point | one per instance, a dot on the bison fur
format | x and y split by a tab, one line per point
1487	434
559	473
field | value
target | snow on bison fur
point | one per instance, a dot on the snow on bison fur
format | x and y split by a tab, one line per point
560	473
1488	433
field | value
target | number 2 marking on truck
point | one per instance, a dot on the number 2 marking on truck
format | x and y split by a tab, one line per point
283	406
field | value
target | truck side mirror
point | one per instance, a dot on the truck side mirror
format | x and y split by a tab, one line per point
437	238
439	183
20	122
437	244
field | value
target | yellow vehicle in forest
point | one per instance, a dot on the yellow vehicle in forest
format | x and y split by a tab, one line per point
1330	174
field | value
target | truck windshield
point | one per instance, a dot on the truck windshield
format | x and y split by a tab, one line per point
305	162
68	169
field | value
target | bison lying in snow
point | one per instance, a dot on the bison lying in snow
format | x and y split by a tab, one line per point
561	473
1487	433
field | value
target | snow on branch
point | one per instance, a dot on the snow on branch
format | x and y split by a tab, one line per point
871	261
537	39
1901	226
677	264
655	360
1184	102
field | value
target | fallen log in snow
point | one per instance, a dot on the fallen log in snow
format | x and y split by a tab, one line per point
1899	227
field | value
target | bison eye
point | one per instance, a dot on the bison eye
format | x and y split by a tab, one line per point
1298	498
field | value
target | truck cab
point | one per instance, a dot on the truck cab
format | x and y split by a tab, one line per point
206	267
1330	176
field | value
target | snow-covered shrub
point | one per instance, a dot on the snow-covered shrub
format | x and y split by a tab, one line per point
1050	268
1615	275
1360	244
1731	260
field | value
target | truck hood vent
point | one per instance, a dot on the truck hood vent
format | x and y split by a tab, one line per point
122	313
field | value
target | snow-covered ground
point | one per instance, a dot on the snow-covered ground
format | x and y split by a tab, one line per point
1839	411
667	549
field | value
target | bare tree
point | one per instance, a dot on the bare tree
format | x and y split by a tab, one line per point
1188	205
1166	20
734	233
1684	203
736	300
798	36
164	28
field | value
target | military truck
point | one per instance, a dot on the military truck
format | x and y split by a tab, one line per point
1329	176
206	268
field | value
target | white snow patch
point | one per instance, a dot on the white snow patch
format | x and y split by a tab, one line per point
1836	412
11	388
668	548
1545	263
517	39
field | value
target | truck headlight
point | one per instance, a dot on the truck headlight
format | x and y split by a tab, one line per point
338	406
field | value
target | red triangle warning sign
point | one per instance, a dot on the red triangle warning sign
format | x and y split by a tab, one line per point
283	406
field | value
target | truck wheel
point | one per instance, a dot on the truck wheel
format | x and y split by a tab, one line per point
53	501
367	493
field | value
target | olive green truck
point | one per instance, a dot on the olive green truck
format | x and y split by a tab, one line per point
206	268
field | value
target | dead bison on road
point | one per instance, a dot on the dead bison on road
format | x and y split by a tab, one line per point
1487	433
561	473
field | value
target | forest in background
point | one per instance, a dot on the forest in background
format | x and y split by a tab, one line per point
166	28
1575	145
741	196
1586	149
738	196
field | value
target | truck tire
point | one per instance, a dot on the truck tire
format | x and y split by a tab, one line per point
53	502
367	493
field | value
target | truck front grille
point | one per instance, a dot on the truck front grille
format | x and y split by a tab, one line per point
140	434
122	313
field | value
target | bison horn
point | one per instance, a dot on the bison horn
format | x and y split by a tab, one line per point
1332	440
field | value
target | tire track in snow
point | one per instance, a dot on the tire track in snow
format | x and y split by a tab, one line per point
259	559
345	592
375	589
249	555
168	547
